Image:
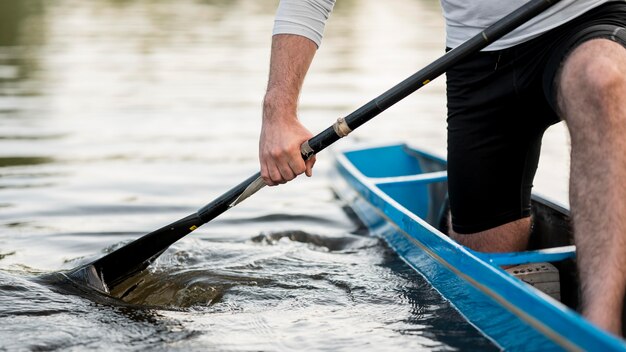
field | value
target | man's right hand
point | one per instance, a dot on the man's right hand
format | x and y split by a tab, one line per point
279	147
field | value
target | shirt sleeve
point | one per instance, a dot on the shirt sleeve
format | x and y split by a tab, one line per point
303	17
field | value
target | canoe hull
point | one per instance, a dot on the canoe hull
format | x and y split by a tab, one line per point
402	200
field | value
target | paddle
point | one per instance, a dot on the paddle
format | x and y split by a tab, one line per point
110	270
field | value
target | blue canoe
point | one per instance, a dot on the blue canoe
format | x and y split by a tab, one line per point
400	194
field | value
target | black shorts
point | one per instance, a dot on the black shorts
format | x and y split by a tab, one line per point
499	105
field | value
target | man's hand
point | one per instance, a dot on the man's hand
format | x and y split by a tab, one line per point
279	148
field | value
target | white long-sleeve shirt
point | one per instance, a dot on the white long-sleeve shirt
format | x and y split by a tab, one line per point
464	18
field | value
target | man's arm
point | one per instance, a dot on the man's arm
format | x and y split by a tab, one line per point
281	132
298	29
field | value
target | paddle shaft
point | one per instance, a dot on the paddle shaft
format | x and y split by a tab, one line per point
135	256
429	73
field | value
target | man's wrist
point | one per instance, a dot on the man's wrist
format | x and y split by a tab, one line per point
277	104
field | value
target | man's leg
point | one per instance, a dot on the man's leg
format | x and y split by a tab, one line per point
494	141
511	237
592	99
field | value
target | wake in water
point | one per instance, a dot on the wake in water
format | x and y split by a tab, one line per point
36	316
239	295
186	277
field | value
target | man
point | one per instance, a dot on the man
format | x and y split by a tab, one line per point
569	63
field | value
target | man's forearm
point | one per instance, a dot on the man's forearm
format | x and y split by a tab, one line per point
290	60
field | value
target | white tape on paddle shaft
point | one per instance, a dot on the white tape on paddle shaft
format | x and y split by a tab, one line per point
250	190
306	150
341	127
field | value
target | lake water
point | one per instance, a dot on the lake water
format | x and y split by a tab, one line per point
120	116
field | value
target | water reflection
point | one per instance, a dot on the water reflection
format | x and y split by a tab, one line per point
21	31
22	161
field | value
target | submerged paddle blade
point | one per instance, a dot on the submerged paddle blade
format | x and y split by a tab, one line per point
88	275
108	271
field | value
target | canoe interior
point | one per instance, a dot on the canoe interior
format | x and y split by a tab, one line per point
551	222
427	200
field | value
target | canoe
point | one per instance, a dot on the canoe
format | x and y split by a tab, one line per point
400	194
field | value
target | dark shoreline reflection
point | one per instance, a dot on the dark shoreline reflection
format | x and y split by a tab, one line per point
24	161
22	33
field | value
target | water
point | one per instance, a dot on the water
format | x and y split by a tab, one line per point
120	116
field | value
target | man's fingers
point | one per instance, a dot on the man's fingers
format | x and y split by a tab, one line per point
272	176
285	171
265	175
309	166
280	167
287	174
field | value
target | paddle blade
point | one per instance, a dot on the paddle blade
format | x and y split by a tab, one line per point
110	270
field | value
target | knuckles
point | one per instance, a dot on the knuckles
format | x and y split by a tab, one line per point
281	159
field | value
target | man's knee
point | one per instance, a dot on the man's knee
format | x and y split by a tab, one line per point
595	75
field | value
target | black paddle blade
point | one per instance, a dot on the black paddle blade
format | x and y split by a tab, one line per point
110	270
